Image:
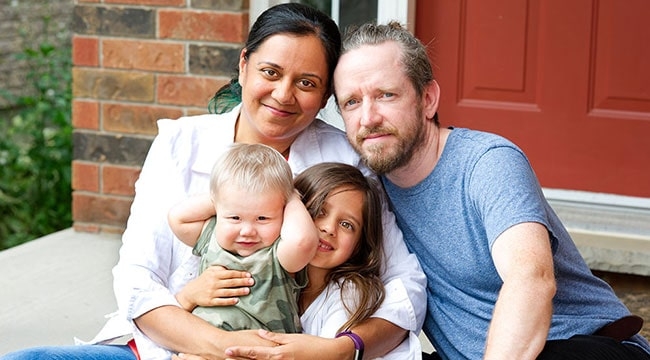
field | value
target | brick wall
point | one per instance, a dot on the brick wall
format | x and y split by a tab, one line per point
22	25
136	61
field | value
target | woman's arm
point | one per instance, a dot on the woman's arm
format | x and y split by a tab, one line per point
216	286
379	337
175	328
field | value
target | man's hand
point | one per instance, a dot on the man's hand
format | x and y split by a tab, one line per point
216	286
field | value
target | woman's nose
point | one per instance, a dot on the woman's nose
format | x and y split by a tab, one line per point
283	92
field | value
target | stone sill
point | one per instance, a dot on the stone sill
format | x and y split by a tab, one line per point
612	232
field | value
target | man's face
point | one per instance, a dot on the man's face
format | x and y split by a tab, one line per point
381	110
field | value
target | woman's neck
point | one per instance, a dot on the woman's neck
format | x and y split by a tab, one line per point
245	136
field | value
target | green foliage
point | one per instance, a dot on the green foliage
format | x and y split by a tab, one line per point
36	149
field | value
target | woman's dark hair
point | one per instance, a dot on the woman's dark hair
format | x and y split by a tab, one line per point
364	267
290	18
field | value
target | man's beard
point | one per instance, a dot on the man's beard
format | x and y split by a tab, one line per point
382	158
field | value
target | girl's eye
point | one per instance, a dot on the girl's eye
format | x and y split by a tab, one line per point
347	225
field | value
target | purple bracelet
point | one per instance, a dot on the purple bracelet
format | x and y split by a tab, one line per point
358	343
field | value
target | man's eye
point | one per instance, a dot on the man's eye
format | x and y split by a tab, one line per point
351	102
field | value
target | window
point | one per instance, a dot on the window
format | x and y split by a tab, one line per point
346	12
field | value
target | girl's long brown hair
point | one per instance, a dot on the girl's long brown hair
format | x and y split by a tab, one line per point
364	267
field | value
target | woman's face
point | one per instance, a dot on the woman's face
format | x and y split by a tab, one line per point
284	85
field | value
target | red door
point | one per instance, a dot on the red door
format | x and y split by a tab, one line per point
567	81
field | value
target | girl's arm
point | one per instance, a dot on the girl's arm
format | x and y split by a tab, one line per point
186	219
299	236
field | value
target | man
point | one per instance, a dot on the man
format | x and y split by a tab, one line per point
505	280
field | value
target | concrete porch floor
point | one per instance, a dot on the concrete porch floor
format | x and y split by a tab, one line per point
60	286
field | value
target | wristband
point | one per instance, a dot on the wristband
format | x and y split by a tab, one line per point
358	343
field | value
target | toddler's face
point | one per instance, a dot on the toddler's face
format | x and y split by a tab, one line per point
247	222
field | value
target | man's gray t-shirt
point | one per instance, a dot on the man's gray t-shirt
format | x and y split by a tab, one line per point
481	186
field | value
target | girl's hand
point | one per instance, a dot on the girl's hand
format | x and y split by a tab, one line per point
216	286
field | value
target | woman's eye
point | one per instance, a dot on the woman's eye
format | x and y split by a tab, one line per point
306	83
270	72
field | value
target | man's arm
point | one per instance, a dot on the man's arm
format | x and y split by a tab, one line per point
522	314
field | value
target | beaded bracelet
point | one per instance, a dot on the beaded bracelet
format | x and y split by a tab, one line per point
358	343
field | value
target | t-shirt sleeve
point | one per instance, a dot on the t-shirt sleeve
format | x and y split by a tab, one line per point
505	191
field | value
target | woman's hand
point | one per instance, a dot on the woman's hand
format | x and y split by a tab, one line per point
293	347
216	286
182	356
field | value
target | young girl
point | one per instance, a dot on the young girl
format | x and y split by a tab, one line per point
344	286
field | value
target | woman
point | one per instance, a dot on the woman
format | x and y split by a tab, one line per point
285	73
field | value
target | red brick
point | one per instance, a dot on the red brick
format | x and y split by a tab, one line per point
205	26
197	111
85	176
85	51
100	210
187	90
85	114
143	55
119	180
136	119
149	2
112	84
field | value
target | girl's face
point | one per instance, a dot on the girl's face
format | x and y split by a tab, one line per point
284	85
340	223
243	227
